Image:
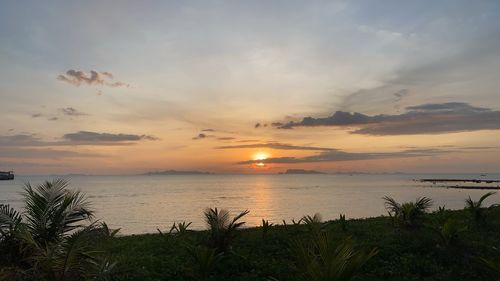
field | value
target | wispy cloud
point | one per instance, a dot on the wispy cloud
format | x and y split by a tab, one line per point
337	156
276	145
94	137
72	139
70	111
77	78
201	136
433	118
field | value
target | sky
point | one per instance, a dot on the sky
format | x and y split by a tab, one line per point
119	87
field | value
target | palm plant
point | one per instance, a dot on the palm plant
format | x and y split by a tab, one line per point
266	225
441	214
221	228
407	214
52	211
449	233
323	260
476	208
343	222
177	229
54	241
314	223
204	261
9	221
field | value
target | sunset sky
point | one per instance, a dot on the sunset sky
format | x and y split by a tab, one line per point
115	87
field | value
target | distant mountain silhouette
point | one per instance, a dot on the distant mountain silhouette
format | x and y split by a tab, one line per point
175	172
301	171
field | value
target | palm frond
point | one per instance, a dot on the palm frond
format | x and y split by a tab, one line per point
221	229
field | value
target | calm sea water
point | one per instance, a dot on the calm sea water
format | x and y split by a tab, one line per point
140	204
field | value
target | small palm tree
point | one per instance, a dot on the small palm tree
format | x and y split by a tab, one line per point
407	214
204	261
52	211
266	225
54	234
314	223
441	214
476	208
449	233
343	222
322	260
221	228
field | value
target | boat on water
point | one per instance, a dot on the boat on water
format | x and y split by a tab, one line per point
6	175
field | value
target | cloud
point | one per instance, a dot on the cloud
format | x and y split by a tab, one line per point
36	115
432	118
77	77
70	111
275	145
208	130
42	153
225	138
202	136
93	137
401	94
20	140
72	139
337	156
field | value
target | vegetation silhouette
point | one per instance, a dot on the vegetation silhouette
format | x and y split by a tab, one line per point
477	210
408	214
222	230
53	238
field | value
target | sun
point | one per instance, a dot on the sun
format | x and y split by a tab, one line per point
260	156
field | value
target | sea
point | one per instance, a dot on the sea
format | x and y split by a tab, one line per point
144	203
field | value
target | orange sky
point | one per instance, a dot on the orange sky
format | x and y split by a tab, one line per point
329	86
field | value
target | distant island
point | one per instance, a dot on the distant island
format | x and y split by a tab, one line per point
175	172
301	171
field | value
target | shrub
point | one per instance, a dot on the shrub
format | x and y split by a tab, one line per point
53	241
222	229
322	260
343	222
408	214
477	210
266	225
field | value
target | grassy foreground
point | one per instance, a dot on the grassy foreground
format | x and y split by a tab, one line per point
421	253
55	237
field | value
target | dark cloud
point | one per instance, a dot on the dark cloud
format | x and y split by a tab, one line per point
80	138
208	130
275	145
36	115
94	137
247	141
435	118
201	136
337	156
257	125
400	94
53	118
77	77
20	140
42	153
70	111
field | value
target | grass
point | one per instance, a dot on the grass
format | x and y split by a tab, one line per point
403	254
53	238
